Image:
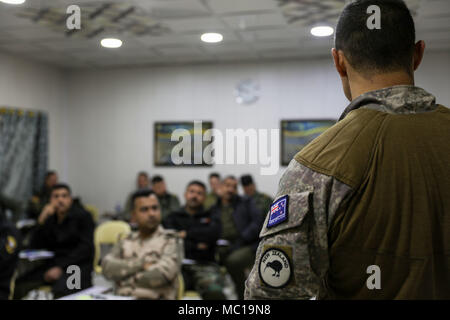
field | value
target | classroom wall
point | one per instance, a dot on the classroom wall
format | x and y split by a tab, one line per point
110	115
32	86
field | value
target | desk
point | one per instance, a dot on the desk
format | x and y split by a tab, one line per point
95	293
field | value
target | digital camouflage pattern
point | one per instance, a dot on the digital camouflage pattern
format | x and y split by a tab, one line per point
125	265
314	200
206	279
397	99
305	231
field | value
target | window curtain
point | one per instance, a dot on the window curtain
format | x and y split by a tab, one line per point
23	153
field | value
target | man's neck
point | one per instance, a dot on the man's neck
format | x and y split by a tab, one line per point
60	216
147	233
360	85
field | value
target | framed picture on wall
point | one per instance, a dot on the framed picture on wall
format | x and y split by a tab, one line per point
188	143
296	134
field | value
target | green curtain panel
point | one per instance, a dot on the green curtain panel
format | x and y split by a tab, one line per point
23	153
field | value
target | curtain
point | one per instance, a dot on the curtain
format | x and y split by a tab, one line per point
23	153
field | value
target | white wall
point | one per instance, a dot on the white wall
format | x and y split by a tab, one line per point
111	115
31	86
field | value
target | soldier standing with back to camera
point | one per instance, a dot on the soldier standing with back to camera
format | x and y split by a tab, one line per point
373	191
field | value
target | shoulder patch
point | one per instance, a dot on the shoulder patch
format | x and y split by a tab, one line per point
278	211
275	268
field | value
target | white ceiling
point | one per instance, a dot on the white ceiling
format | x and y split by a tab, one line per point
252	29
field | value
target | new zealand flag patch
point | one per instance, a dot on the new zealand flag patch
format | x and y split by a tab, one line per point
278	212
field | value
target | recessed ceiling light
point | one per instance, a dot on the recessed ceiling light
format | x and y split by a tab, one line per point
212	37
111	43
13	1
322	31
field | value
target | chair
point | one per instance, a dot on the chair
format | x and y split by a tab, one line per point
93	211
180	292
109	232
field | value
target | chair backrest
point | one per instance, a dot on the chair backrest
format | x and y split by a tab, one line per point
109	232
180	289
93	211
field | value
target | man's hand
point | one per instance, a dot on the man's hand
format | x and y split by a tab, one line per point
182	234
53	274
48	211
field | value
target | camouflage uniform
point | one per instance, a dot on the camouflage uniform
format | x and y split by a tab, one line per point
211	200
125	265
304	240
9	249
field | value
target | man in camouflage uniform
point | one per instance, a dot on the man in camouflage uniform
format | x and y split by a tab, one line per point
213	196
145	265
9	249
363	211
168	202
200	231
262	200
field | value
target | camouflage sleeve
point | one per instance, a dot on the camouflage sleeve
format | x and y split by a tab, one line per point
115	268
292	256
164	270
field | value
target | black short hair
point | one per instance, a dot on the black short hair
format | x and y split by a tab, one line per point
230	177
196	183
246	180
50	173
61	186
157	179
388	49
140	194
143	173
214	175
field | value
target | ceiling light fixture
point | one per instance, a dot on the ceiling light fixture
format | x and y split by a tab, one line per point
13	1
212	37
322	31
111	43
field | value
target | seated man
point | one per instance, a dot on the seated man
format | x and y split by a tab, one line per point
200	231
142	183
241	222
213	195
67	229
262	200
40	199
145	264
168	202
9	248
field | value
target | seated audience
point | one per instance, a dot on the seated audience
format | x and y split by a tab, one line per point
262	200
213	195
200	231
168	202
40	199
241	223
142	183
145	264
67	229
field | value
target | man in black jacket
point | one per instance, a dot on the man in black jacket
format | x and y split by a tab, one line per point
200	231
241	223
67	229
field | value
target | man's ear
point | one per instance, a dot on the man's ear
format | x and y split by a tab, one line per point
339	62
419	50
